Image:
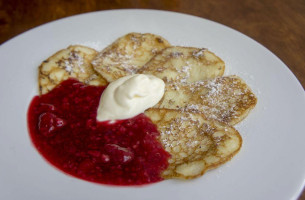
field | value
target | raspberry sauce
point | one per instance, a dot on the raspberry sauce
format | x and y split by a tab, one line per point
63	127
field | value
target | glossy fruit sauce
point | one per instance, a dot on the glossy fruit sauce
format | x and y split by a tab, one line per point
63	127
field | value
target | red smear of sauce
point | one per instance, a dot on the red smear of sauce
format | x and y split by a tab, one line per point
63	127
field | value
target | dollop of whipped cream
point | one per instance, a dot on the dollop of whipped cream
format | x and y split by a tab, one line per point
129	96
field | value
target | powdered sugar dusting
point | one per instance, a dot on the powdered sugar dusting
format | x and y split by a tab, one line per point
76	60
199	53
74	63
184	73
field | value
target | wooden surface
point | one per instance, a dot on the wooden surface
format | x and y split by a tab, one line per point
279	24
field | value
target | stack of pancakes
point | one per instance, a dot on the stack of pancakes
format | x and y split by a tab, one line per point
200	106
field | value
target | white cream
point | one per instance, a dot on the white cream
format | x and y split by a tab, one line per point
129	96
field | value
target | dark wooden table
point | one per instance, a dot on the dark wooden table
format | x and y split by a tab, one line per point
278	24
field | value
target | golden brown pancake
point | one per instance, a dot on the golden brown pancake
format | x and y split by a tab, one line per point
73	62
127	54
225	99
195	143
184	65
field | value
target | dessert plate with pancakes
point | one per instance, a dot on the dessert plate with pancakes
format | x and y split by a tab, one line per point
231	116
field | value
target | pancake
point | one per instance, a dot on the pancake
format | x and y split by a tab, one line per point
127	54
226	99
184	65
195	143
72	62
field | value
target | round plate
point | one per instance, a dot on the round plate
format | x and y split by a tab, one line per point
270	165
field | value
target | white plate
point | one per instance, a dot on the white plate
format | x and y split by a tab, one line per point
271	164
